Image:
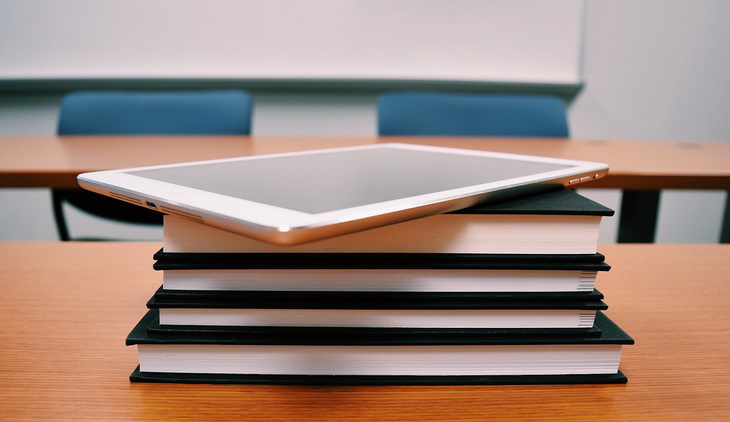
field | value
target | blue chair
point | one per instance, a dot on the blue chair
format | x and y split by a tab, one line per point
143	113
445	114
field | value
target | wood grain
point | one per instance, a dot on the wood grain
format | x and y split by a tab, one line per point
672	165
67	308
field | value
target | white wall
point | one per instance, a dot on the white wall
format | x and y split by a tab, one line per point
660	70
653	70
502	40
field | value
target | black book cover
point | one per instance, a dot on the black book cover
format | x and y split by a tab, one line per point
182	378
374	300
141	334
560	201
201	261
373	333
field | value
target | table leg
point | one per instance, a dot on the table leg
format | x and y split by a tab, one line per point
639	211
725	229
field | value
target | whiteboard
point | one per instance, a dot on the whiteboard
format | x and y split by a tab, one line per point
517	41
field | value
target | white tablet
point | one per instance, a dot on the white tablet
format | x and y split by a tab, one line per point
294	198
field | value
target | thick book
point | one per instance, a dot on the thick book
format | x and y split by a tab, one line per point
167	357
554	222
379	272
377	310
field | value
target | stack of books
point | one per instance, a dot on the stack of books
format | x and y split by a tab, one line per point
500	293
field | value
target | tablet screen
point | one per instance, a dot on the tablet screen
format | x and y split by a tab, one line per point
329	181
297	197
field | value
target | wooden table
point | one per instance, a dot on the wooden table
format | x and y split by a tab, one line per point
67	307
55	161
641	169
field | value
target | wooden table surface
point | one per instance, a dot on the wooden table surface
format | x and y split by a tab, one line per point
55	161
67	307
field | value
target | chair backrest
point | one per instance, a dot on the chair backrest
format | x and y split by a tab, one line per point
445	114
143	113
156	113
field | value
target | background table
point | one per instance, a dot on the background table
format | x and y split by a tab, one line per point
67	307
55	161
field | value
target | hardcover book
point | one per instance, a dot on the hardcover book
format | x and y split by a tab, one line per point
379	310
374	333
170	357
381	272
553	222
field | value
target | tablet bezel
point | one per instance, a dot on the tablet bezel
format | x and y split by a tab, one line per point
287	227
